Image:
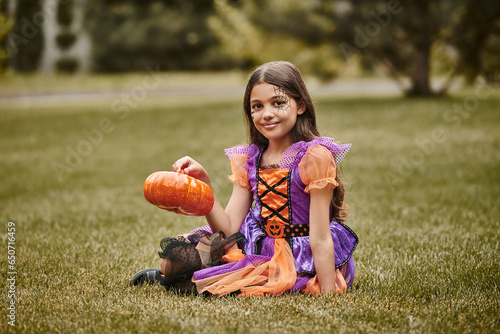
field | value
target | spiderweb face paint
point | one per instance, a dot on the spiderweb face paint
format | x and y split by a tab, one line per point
283	98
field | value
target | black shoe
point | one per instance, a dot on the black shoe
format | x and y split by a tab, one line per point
150	276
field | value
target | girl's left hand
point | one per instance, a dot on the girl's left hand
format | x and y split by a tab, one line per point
191	167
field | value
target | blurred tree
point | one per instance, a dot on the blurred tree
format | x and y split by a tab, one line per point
66	38
65	13
172	34
25	41
476	37
259	31
6	25
404	37
399	35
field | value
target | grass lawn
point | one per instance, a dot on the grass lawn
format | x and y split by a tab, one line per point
423	187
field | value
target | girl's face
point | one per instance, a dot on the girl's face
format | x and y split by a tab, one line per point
273	112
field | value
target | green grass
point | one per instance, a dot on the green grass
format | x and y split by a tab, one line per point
428	220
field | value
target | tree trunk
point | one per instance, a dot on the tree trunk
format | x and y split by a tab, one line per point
420	85
50	51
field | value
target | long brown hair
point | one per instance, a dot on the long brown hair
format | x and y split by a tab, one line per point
287	76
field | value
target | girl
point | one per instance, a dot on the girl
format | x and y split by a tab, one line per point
292	239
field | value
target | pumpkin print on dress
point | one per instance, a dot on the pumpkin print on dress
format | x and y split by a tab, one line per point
275	229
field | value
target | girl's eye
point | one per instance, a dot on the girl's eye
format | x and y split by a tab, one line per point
256	106
279	103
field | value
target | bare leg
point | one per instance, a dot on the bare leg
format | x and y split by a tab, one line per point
163	265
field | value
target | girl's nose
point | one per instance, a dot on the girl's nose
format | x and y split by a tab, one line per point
268	112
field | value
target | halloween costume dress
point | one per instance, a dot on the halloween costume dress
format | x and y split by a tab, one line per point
273	255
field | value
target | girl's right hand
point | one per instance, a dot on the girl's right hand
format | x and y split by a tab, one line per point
191	167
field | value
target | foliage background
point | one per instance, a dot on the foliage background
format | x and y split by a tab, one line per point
412	42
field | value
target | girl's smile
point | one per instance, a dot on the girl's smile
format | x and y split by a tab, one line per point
270	126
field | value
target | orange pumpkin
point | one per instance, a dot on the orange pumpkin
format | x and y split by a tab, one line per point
179	193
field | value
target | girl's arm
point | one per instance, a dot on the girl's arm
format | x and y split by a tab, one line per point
320	238
229	220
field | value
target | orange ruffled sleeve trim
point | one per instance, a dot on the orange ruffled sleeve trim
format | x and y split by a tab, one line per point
317	168
240	174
